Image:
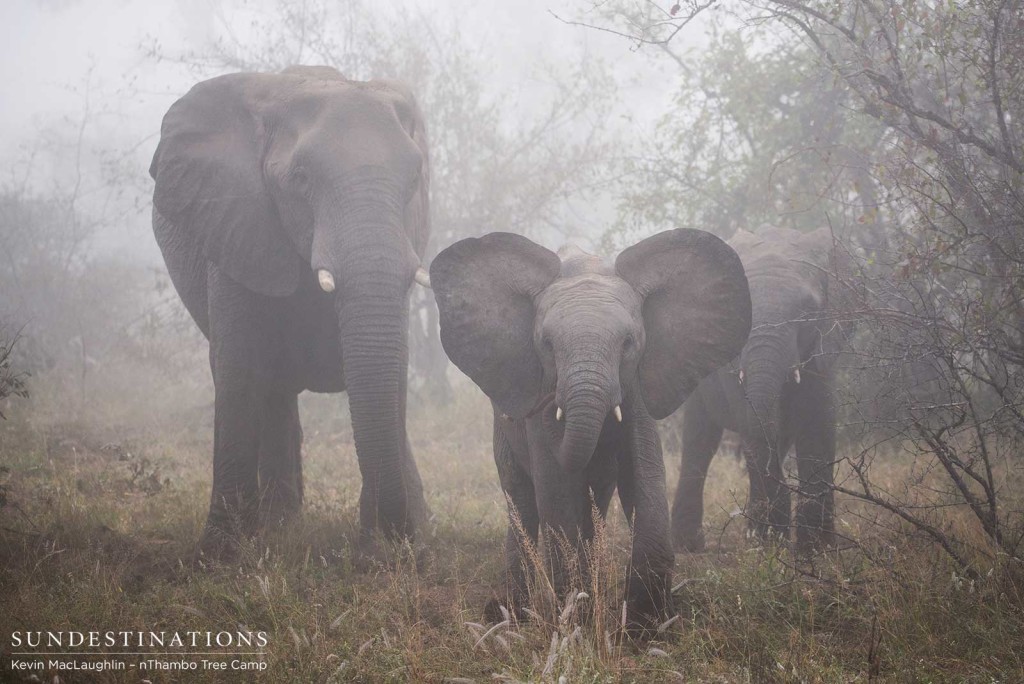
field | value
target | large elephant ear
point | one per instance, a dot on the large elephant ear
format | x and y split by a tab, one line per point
827	271
417	211
485	289
208	170
696	311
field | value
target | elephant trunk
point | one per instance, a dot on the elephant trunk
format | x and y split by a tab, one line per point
374	357
586	397
370	258
766	366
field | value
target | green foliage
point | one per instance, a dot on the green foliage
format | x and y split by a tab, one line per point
759	133
12	381
898	124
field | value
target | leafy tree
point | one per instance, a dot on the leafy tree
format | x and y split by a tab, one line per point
12	382
758	133
924	102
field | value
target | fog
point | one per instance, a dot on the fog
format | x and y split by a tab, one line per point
109	63
810	218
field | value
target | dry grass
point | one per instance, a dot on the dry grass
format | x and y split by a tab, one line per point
106	499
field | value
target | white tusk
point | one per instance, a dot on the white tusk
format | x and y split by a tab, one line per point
741	376
618	413
326	280
422	277
796	375
558	413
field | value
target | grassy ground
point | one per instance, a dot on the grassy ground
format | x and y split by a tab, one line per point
106	499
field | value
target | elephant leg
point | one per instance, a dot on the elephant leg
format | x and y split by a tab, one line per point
523	524
563	505
242	341
701	437
280	458
649	582
420	512
603	496
626	488
519	539
235	493
768	507
815	453
603	471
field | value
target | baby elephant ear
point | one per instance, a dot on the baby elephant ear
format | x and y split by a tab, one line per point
696	311
485	289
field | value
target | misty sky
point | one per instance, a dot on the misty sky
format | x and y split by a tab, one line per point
53	48
50	46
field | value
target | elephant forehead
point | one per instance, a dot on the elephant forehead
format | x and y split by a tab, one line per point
606	296
334	100
779	282
577	262
768	265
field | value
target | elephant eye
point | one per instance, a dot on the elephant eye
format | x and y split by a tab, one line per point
300	178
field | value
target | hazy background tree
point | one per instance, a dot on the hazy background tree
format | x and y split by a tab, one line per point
898	123
758	133
12	381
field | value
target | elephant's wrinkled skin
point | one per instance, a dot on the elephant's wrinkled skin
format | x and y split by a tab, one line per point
263	183
776	394
579	357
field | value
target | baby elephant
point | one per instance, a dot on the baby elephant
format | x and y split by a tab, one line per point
579	357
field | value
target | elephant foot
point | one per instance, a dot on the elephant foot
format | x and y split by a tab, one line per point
810	541
374	553
493	612
646	611
421	514
496	611
768	533
371	554
649	605
228	532
814	525
411	524
688	542
276	509
217	545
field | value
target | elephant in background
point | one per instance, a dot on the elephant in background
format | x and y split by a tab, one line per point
579	356
292	212
778	393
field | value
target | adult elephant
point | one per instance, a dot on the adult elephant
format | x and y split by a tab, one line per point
776	394
579	356
292	211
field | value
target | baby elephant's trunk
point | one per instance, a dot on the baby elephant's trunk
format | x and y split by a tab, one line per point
588	404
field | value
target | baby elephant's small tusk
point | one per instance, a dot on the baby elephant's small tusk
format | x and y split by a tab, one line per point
422	277
796	375
618	413
326	280
558	413
741	376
